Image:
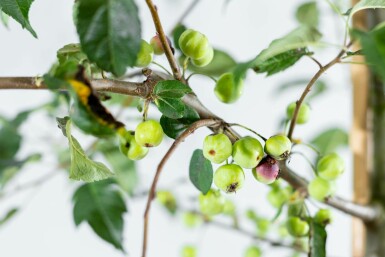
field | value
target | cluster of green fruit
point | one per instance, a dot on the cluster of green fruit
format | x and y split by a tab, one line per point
147	51
298	225
329	168
196	46
247	153
135	144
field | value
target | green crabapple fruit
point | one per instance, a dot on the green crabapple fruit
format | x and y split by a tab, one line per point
320	188
229	178
229	208
297	208
253	251
323	217
144	57
191	219
194	44
211	203
217	148
157	45
247	152
167	199
227	90
205	60
149	133
189	251
130	148
263	226
267	170
278	146
303	113
278	196
297	227
330	167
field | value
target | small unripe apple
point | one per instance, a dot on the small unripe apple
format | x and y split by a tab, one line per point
145	55
157	45
263	226
191	219
267	170
323	217
149	133
229	178
229	208
253	251
330	167
297	208
278	196
227	90
297	227
194	44
205	60
217	148
247	152
189	251
303	113
211	203
167	199
130	148
278	146
320	188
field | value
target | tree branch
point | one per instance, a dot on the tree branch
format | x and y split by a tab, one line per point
196	125
309	86
365	212
163	39
272	242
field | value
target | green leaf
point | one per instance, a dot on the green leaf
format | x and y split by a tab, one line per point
109	32
373	44
11	167
171	89
9	136
174	127
201	172
308	14
171	107
328	141
18	9
83	168
4	18
367	4
102	206
301	37
280	62
8	216
221	63
317	240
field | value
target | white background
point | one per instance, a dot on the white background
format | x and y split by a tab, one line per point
45	227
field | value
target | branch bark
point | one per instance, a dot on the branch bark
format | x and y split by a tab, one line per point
367	213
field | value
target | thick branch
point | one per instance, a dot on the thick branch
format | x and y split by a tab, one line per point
366	213
101	85
196	125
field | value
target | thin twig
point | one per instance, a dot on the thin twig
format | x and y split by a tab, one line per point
249	129
309	86
196	125
316	61
163	39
